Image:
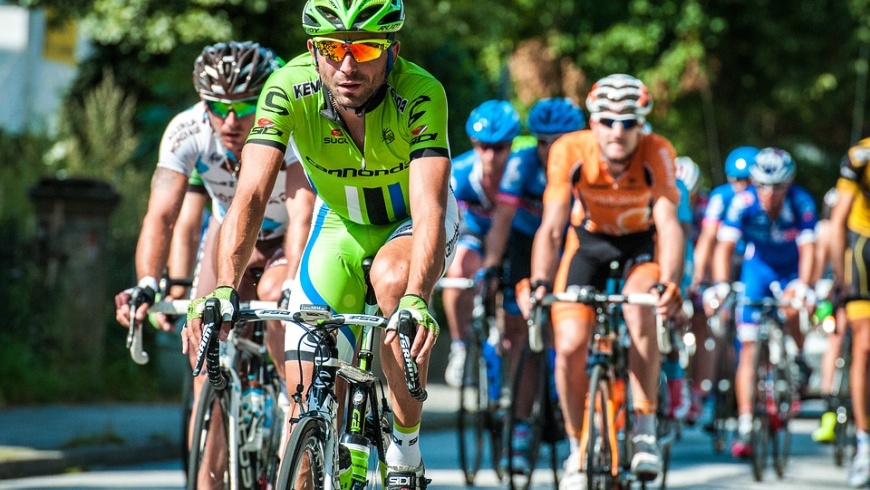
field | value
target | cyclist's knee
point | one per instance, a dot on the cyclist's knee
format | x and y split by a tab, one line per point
269	287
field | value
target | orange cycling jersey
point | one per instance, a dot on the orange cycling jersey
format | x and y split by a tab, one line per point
604	204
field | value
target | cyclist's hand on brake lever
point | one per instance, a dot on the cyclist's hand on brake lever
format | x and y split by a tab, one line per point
670	301
427	326
229	301
141	296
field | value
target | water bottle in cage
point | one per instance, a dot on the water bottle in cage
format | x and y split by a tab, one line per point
493	364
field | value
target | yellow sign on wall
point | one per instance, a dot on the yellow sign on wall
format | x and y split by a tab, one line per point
60	39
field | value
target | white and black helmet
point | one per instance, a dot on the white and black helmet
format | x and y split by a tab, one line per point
619	96
233	71
773	166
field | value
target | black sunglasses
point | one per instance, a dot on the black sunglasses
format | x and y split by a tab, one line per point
626	123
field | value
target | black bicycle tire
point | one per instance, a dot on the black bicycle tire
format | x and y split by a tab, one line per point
664	426
598	471
522	481
781	437
307	438
186	414
844	430
470	423
760	420
202	426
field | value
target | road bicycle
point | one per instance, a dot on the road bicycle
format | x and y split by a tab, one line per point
237	427
545	422
605	444
481	411
318	456
774	387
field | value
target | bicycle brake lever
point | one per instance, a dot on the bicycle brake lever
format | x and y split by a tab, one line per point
210	317
134	334
412	374
138	355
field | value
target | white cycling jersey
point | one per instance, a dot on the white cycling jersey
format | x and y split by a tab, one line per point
190	142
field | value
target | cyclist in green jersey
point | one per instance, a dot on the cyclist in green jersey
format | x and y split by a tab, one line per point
370	129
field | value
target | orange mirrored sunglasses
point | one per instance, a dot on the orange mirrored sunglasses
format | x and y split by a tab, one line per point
362	50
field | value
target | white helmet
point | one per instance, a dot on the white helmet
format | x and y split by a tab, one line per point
773	166
689	173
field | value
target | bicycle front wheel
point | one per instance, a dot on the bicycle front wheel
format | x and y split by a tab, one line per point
761	401
784	394
208	464
304	463
473	402
531	365
601	458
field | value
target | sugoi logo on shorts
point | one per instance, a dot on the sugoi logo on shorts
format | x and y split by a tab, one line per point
419	130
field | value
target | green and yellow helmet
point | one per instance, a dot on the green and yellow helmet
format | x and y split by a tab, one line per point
322	17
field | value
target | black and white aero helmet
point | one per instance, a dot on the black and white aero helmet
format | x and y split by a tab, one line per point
619	96
233	70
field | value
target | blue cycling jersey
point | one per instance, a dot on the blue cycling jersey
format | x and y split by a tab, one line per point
775	242
521	176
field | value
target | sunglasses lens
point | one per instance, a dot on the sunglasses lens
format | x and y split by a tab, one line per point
626	123
361	51
241	108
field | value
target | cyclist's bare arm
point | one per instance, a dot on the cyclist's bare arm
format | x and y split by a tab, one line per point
839	216
806	262
428	188
245	216
704	252
499	230
152	250
300	205
546	247
721	265
185	240
671	253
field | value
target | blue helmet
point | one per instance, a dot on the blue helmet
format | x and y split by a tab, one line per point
555	116
494	121
773	166
739	161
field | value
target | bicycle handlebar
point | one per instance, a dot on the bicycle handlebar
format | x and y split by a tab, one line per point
267	310
590	296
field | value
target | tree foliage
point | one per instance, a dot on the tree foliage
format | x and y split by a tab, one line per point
722	73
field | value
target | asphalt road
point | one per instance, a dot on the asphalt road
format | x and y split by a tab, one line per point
694	465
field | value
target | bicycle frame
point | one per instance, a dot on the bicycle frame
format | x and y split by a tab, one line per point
608	357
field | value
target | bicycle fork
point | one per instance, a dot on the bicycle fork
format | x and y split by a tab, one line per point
615	414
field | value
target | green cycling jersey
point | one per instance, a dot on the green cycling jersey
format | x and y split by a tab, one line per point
405	120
